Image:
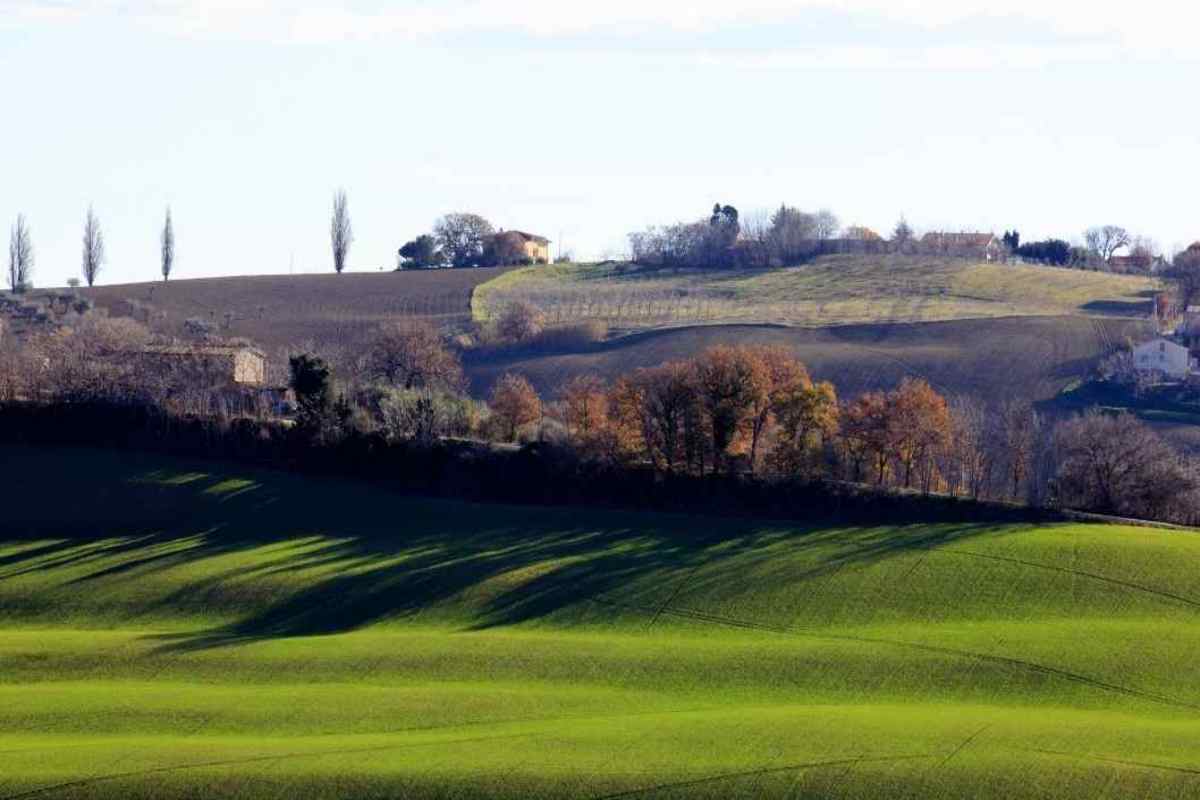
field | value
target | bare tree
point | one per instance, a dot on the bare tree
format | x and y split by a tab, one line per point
1019	424
20	255
1118	465
93	248
341	233
757	239
827	224
1105	240
410	354
168	246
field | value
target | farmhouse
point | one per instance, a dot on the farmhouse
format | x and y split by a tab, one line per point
1162	357
232	365
536	248
969	245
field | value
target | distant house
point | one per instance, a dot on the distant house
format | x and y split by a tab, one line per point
536	248
231	365
1162	357
1132	265
984	246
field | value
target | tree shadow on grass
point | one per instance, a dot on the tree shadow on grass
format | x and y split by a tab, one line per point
361	556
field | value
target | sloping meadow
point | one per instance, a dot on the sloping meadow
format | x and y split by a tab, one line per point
177	629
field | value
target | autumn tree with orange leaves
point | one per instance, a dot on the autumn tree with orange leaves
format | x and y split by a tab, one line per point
515	403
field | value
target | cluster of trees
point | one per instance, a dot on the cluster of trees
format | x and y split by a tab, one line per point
464	240
732	410
727	239
756	410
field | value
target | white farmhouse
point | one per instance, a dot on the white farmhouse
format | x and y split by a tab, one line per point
1162	357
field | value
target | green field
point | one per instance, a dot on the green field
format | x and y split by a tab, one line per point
174	629
834	290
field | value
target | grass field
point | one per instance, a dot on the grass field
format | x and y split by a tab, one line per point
172	629
1032	357
835	290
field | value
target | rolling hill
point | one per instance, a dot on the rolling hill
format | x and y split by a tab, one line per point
282	311
1032	357
833	290
186	629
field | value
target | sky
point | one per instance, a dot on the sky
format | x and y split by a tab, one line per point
582	121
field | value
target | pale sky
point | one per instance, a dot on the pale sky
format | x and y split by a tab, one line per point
582	120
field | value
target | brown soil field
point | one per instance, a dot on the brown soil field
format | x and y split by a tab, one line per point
1029	357
281	311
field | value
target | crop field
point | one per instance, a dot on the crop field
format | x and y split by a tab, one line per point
835	290
1032	358
171	629
281	311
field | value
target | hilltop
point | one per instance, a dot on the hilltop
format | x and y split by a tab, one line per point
196	629
832	290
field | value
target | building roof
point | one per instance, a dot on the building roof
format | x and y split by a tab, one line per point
959	239
530	237
200	350
1159	340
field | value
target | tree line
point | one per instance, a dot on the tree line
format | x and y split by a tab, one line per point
729	413
463	239
788	236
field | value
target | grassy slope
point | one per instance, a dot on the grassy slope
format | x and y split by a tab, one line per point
836	290
170	629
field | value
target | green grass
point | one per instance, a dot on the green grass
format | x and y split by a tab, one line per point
173	629
835	290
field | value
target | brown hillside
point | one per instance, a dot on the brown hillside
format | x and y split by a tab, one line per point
281	311
1028	357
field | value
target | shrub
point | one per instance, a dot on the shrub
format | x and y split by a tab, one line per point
425	416
520	322
574	335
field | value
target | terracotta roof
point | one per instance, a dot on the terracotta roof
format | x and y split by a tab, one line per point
530	237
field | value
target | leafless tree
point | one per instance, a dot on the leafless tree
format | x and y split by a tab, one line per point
20	255
168	246
410	354
827	224
756	238
1145	251
792	233
969	457
1019	423
341	233
93	248
1118	465
1105	240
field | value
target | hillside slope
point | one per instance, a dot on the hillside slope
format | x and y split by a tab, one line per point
834	290
184	630
281	311
1031	358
